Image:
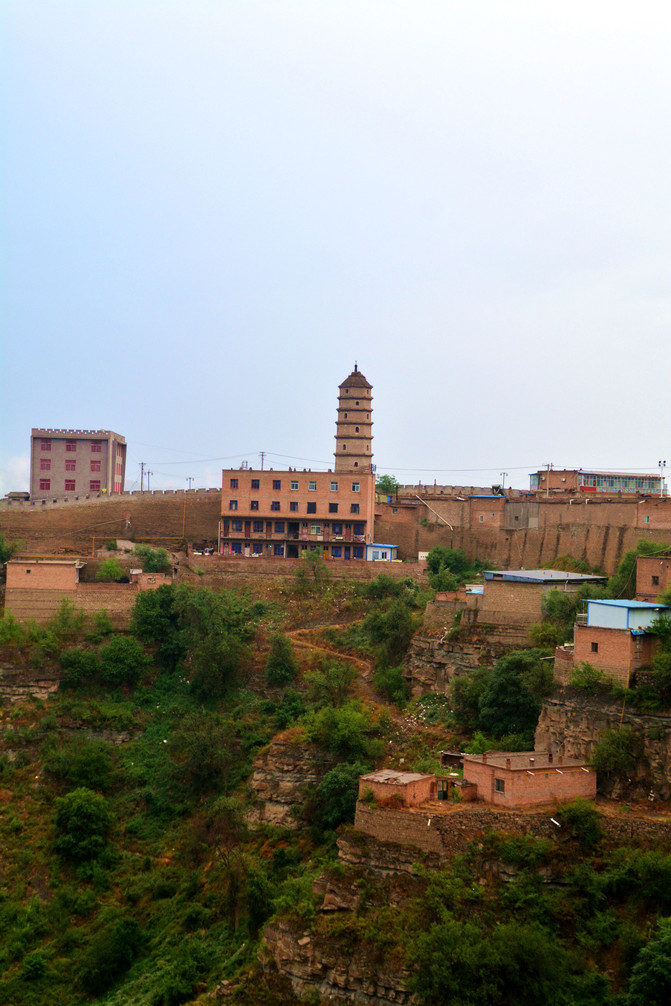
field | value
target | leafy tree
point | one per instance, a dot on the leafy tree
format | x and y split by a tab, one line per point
154	560
331	684
390	631
313	573
123	661
67	623
514	963
450	567
281	665
617	751
156	619
391	682
216	627
387	485
336	795
587	678
465	693
511	700
650	982
111	570
203	755
83	823
348	732
581	822
79	666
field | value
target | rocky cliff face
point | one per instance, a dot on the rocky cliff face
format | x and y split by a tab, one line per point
571	724
283	775
434	658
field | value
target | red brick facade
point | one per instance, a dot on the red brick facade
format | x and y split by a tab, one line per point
653	576
616	652
410	788
510	779
76	463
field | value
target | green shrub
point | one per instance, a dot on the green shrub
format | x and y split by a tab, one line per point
390	681
111	570
281	665
79	666
617	751
123	661
587	678
154	560
581	822
83	823
111	952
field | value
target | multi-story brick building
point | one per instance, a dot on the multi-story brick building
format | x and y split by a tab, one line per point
281	513
64	462
588	481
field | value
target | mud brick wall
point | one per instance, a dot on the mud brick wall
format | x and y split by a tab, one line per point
618	654
648	568
115	598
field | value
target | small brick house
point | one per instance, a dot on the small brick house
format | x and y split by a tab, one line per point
527	779
409	788
653	576
519	593
615	638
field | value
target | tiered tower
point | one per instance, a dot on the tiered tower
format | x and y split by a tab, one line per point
354	425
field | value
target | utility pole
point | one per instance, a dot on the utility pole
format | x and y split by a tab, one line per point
148	485
142	464
190	479
263	454
503	476
547	479
662	466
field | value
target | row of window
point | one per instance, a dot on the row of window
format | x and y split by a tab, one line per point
70	466
293	506
71	446
277	485
94	486
278	527
257	548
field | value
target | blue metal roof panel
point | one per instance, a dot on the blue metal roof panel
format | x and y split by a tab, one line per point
629	604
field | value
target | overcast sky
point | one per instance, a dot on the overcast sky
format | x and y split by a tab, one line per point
211	210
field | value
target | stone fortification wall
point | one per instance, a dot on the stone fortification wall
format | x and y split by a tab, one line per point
601	546
162	518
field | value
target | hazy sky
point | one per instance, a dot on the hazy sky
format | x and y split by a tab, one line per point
211	210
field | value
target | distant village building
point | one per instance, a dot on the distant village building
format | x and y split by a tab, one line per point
529	778
588	481
375	552
77	462
653	576
615	636
281	513
517	594
409	789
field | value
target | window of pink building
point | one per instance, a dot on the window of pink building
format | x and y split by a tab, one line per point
94	485
45	466
70	466
69	485
45	445
95	466
70	445
45	484
96	447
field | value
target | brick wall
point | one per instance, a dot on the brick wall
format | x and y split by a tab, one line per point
41	576
115	598
654	512
619	653
526	787
649	567
563	664
522	600
411	793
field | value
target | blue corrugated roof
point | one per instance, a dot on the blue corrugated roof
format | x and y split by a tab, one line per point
630	604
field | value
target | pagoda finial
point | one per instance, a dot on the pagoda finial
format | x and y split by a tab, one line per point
355	366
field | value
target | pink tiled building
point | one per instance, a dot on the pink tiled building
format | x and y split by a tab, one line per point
76	462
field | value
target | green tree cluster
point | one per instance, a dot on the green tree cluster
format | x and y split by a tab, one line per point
505	699
450	567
